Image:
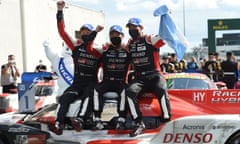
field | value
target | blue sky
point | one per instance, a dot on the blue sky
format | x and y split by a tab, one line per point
197	12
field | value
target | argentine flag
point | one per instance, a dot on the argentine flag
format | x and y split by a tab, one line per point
169	32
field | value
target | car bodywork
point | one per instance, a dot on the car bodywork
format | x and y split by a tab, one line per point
197	116
13	133
205	129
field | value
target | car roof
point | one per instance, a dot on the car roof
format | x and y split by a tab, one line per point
186	75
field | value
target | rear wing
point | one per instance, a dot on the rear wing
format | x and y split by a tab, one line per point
32	85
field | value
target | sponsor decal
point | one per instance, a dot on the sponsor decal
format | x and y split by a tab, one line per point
192	127
217	97
22	87
21	139
141	60
66	75
141	48
185	76
116	60
199	97
188	138
82	60
20	129
111	55
113	66
34	82
123	54
220	26
86	62
87	56
148	95
226	93
119	67
223	127
145	106
225	97
140	54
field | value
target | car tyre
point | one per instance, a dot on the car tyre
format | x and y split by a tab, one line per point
235	139
1	141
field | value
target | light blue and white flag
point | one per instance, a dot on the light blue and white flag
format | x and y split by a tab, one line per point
169	32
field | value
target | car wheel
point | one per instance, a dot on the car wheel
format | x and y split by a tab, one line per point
235	139
1	141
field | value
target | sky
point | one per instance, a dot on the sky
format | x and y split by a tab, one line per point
189	15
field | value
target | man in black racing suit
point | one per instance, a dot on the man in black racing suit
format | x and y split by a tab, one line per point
144	51
85	72
115	63
230	71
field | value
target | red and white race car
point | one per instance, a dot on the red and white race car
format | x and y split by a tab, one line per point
207	116
192	81
199	116
35	91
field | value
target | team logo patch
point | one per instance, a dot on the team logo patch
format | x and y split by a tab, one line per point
83	60
141	48
122	55
110	55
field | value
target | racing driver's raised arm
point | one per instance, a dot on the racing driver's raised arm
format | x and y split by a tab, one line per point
61	27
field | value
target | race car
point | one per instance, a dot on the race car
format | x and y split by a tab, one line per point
197	105
35	91
198	116
8	102
191	81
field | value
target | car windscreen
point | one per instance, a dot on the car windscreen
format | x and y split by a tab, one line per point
187	83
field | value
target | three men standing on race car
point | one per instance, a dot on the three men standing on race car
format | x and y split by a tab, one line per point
142	51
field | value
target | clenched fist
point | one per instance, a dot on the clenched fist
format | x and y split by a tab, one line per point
60	5
99	28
